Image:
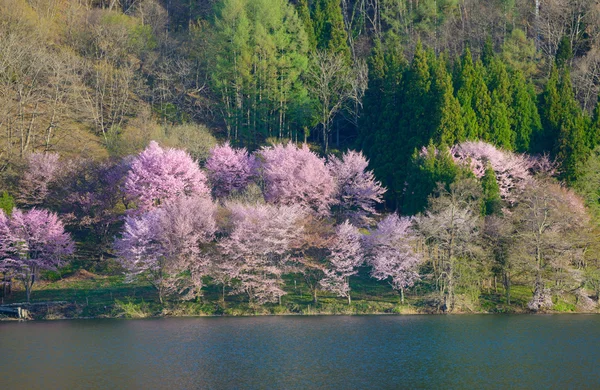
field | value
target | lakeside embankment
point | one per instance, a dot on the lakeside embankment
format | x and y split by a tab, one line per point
87	295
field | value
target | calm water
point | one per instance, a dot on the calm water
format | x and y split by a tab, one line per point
372	352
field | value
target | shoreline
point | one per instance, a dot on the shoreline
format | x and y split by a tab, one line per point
38	315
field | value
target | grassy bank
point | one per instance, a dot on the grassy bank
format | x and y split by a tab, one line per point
86	295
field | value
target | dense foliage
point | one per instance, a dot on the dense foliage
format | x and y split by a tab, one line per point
193	144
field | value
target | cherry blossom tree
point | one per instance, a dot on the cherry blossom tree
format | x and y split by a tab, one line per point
36	241
549	233
4	235
259	247
390	253
513	171
357	190
164	245
158	175
42	169
297	176
229	169
4	249
346	256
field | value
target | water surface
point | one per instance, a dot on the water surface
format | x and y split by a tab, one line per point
359	352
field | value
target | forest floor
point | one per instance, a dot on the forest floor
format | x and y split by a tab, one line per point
86	295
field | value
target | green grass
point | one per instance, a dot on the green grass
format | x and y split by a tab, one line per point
89	295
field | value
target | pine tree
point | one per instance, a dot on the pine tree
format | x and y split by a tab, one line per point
491	201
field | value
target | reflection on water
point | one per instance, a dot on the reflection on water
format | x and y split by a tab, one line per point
560	351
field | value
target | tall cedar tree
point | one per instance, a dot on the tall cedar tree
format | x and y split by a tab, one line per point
491	202
525	120
330	32
448	122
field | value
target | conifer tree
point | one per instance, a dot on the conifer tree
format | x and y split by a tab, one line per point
593	130
330	32
482	101
448	122
500	133
525	119
416	107
564	53
550	111
487	53
491	201
303	10
428	167
474	98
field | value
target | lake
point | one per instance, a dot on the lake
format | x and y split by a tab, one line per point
328	352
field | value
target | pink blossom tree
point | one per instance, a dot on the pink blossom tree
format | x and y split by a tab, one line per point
357	190
391	255
42	169
513	171
36	241
258	249
229	169
158	175
297	176
164	245
346	255
4	236
4	249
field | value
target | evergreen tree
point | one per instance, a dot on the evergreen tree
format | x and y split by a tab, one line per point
500	133
491	201
304	15
525	119
380	127
330	32
482	101
499	81
487	53
261	54
416	119
474	97
448	122
564	53
7	203
373	101
571	148
427	169
593	130
550	110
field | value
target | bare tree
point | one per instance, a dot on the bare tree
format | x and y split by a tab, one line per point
547	220
450	228
335	86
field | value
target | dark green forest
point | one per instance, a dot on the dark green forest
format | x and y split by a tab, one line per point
456	104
